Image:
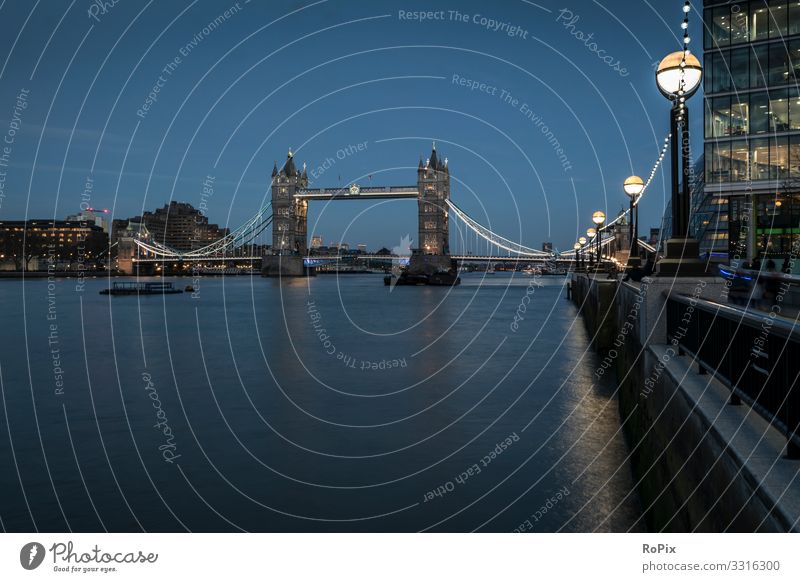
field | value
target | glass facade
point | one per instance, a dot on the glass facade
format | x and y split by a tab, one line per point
752	118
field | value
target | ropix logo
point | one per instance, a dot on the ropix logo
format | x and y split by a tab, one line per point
31	555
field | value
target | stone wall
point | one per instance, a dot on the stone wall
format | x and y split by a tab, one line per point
691	475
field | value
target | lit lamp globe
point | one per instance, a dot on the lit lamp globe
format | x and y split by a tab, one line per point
582	240
633	186
599	217
576	246
668	75
590	232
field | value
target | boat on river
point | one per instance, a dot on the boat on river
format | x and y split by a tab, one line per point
140	288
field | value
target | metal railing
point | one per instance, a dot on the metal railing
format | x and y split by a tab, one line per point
757	356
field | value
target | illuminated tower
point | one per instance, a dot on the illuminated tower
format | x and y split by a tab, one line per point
289	215
433	183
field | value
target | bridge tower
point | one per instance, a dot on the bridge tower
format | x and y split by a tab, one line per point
433	184
289	222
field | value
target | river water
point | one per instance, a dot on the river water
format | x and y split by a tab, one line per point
322	404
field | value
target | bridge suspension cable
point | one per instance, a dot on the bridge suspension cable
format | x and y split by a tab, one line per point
494	238
243	235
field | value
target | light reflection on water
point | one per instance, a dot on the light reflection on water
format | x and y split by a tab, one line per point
280	429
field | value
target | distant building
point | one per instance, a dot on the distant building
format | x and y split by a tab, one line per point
655	233
180	226
316	241
33	244
92	216
362	248
547	247
344	246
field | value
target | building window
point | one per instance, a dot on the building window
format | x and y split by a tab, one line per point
779	158
794	156
739	68
718	121
778	64
740	117
739	161
778	19
721	26
759	113
794	17
779	110
759	159
739	22
720	72
759	65
759	20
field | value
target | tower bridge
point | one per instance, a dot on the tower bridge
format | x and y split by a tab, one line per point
291	195
287	214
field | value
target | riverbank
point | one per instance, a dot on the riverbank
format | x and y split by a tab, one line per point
701	464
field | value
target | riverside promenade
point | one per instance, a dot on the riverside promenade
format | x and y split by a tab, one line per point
708	398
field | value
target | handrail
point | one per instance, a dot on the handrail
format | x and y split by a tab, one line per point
785	326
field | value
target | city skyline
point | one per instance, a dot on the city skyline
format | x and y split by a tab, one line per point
549	166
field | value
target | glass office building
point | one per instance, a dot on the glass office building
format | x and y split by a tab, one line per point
752	121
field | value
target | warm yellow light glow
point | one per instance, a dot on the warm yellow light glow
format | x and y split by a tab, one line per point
633	186
582	240
668	75
590	232
599	217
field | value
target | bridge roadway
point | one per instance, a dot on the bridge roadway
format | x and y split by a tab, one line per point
355	192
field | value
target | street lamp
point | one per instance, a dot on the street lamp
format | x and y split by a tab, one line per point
633	187
582	240
599	217
590	232
678	78
577	247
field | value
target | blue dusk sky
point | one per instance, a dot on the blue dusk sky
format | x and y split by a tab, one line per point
542	109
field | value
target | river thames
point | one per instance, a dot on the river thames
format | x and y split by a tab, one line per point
332	403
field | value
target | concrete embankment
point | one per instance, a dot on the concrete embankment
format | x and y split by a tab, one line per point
701	463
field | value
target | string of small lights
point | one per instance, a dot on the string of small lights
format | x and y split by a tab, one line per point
650	178
687	8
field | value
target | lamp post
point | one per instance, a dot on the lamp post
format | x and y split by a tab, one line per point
599	217
576	247
678	78
582	240
590	232
633	187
